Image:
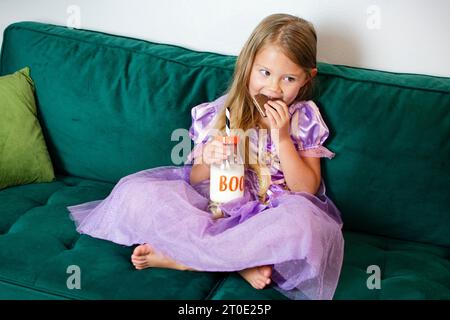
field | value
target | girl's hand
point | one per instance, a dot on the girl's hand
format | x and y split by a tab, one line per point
278	113
214	152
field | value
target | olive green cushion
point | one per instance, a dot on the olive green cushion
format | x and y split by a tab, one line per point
23	153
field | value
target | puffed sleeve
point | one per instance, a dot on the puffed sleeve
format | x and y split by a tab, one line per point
203	120
308	130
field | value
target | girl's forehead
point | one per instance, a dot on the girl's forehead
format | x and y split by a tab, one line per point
273	57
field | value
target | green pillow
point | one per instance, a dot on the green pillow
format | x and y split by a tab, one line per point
24	156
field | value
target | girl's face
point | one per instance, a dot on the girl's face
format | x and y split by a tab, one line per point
275	75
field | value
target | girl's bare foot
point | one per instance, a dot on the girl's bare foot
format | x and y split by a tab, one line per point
258	277
144	256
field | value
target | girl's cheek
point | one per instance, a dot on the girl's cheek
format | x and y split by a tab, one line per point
259	83
255	88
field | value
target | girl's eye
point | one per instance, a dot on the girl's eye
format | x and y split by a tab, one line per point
290	79
264	72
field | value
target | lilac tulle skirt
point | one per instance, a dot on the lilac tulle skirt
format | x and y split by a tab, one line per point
299	234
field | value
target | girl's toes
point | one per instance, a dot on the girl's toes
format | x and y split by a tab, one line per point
138	259
266	271
260	284
140	265
142	250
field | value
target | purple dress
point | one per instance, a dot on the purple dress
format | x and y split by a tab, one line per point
299	234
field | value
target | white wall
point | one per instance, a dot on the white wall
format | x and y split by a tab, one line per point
393	35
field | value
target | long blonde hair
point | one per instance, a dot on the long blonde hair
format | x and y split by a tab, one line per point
297	39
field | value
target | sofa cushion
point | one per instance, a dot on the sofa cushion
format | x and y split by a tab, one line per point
128	95
408	270
391	135
115	117
23	153
38	243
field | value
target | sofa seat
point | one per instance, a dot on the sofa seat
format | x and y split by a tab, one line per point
38	242
411	271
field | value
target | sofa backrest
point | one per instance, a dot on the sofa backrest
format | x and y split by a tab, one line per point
109	104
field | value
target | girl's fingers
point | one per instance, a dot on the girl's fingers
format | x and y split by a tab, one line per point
272	122
275	116
214	152
281	108
214	159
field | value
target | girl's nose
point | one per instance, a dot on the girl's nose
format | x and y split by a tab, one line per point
274	88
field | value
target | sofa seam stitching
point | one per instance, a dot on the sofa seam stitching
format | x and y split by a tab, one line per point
39	289
325	73
204	66
118	47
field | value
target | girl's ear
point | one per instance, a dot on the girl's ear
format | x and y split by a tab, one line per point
312	74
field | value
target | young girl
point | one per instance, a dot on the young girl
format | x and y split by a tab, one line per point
284	231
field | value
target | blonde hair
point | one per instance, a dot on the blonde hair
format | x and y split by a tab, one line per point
297	39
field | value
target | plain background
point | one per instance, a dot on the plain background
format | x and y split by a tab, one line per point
392	35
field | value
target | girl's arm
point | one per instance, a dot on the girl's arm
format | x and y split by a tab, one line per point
300	173
199	173
212	152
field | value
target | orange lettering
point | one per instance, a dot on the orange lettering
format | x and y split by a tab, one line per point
241	184
234	183
223	183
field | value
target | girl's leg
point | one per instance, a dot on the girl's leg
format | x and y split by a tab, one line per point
144	256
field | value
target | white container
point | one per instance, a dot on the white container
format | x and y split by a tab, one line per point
226	182
227	178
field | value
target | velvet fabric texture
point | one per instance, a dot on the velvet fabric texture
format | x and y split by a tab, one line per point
108	105
117	115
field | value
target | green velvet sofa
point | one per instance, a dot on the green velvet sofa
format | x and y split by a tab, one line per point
108	106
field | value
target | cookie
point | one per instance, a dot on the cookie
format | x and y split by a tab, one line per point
259	100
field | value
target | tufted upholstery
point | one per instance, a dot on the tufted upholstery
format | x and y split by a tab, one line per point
423	269
38	243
